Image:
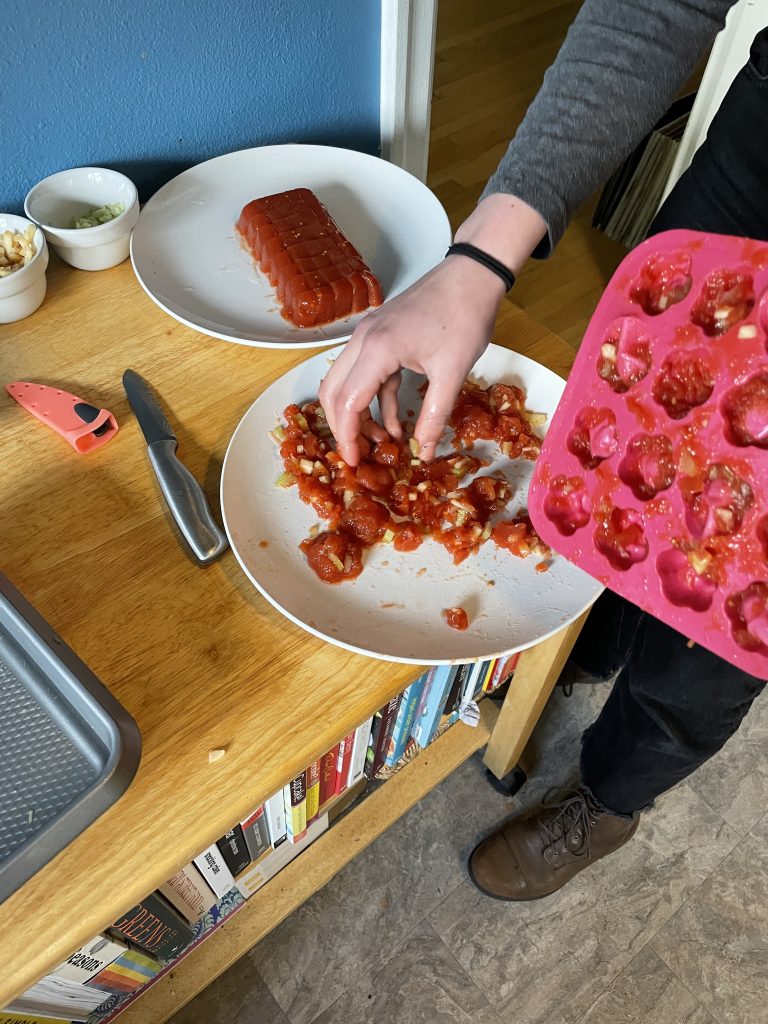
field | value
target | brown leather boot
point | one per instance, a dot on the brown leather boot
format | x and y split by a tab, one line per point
536	853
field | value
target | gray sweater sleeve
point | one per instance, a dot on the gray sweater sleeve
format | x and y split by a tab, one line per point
618	70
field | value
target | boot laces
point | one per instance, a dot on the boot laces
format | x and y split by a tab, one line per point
571	825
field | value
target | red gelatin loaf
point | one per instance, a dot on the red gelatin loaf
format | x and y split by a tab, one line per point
317	272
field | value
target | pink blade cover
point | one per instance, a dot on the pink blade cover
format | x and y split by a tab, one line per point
56	408
653	476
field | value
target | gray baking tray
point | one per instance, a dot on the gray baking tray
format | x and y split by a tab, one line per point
68	749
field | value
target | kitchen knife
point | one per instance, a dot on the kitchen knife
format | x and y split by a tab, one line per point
184	495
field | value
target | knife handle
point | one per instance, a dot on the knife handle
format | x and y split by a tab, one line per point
187	502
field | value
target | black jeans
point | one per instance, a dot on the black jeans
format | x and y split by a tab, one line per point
672	707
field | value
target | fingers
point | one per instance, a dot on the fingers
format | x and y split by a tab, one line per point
362	383
388	405
371	429
434	414
331	386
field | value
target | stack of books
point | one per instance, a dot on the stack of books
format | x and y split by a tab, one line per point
96	981
631	197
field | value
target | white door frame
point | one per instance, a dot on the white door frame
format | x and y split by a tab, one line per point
407	64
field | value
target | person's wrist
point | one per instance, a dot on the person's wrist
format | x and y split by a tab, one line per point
505	227
473	278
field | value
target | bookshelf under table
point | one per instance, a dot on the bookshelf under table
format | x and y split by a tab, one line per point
198	658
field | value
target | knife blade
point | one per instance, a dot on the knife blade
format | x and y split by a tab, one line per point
183	494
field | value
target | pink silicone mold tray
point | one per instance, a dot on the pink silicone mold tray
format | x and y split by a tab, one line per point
654	473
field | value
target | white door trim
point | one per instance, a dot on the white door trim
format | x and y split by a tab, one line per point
407	64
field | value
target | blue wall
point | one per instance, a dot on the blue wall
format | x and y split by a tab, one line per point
152	86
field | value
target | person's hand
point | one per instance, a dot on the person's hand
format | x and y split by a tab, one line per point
439	327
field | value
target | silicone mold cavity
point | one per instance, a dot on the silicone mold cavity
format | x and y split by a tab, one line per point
684	580
726	298
620	537
685	381
663	281
748	612
593	438
567	504
718	507
649	465
745	412
625	354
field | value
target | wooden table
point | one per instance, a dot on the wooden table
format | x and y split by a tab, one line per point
196	655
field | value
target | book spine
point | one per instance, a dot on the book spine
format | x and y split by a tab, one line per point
342	763
328	774
188	893
275	813
471	682
91	958
504	671
427	678
454	694
424	728
252	880
129	972
214	870
234	851
488	674
256	833
359	753
378	749
405	713
155	927
296	808
313	791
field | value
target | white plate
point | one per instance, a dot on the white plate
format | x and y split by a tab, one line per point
390	611
187	259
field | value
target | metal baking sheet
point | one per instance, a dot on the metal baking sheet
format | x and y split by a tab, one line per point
68	749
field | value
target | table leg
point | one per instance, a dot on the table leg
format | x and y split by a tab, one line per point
535	676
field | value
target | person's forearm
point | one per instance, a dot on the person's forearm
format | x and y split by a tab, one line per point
621	64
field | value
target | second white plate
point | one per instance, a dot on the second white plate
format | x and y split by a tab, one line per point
394	609
187	259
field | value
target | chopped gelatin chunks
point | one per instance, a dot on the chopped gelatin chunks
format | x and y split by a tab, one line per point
318	274
745	411
625	354
664	280
335	557
726	298
684	382
456	618
519	537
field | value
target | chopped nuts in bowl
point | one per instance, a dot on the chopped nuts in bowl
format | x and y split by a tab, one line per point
23	262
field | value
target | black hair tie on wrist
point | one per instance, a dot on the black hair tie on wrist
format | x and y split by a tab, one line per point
485	259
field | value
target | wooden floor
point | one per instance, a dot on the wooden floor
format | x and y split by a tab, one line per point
490	60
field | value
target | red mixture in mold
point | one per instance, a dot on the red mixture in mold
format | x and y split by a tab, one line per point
664	279
593	438
625	354
745	411
392	497
685	381
648	466
726	298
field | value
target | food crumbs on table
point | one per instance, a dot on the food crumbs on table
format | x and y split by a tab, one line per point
422	570
216	755
490	583
456	618
263	543
391	604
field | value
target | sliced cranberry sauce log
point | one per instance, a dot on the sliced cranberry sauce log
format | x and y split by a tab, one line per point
317	272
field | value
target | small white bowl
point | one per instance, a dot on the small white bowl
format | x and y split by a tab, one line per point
24	290
57	200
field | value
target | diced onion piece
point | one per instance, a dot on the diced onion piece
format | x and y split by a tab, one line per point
536	419
277	435
700	561
722	313
461	518
506	404
348	496
324	478
415	462
336	561
608	351
423	485
486	533
387	537
747	331
306	466
412	496
313	531
413	444
285	480
300	421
